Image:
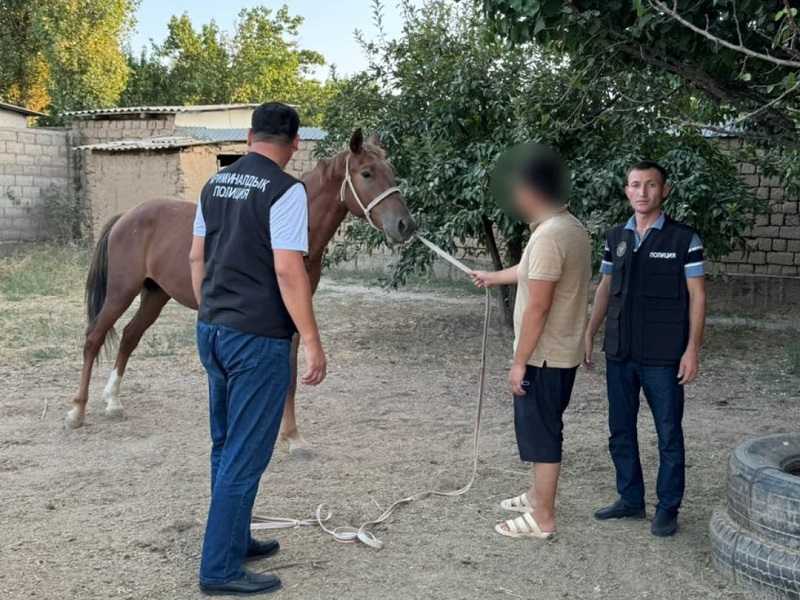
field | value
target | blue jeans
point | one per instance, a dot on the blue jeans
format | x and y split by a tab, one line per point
665	396
248	378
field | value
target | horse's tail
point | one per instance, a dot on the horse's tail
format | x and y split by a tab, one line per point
97	281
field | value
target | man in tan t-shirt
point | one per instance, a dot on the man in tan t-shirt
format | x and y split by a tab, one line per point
549	323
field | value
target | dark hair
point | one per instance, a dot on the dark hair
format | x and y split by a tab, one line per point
275	123
545	172
646	165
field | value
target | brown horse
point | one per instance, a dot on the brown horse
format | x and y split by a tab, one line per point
145	252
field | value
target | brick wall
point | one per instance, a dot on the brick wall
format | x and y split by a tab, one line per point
34	163
773	245
90	131
303	160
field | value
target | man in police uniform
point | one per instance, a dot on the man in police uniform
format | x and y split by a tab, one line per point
253	292
653	297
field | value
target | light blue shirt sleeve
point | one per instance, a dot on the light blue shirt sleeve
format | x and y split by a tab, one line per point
288	220
199	221
606	267
695	267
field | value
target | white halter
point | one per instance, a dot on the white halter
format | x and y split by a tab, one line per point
348	182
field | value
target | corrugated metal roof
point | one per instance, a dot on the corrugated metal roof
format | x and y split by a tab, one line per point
214	134
162	143
122	110
312	133
240	134
191	136
21	110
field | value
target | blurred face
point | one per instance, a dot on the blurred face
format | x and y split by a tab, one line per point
525	201
646	191
529	203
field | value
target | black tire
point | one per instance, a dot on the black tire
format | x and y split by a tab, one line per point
764	488
755	564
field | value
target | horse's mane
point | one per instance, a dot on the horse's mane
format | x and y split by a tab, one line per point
325	164
374	151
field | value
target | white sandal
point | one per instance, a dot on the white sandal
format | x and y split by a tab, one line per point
519	504
524	526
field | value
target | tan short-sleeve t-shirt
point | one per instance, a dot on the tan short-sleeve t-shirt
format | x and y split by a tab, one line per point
559	250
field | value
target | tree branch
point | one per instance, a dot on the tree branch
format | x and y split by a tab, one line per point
673	13
740	99
792	23
745	134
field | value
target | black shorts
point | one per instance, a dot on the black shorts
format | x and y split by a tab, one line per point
538	415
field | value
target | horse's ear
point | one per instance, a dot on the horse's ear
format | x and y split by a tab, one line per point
373	139
357	141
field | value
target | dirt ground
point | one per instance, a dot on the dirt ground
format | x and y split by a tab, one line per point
115	510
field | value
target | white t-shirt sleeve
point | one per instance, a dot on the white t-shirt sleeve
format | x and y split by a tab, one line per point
199	222
288	220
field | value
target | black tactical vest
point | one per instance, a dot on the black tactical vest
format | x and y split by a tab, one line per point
240	288
648	308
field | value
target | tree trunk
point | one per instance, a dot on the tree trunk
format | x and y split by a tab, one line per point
514	246
497	261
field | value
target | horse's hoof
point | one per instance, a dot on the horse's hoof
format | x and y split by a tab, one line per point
72	422
115	413
301	453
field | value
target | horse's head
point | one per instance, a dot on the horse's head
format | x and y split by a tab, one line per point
369	189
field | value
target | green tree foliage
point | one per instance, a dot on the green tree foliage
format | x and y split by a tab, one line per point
261	60
198	62
739	60
148	82
448	98
63	54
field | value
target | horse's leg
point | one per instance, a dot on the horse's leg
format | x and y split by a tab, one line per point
298	447
113	308
150	304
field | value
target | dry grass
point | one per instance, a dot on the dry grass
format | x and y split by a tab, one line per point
42	311
44	271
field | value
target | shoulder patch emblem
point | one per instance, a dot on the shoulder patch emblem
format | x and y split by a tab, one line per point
622	247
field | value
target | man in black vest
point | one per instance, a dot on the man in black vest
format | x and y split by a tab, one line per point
253	293
653	297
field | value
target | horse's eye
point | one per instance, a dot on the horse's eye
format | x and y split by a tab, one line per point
366	174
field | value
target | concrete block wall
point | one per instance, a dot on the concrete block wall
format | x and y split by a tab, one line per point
90	131
773	245
303	160
33	163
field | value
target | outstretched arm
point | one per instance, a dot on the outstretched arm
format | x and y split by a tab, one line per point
486	279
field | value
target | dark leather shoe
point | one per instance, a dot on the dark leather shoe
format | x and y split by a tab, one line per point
664	524
618	510
248	584
262	549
